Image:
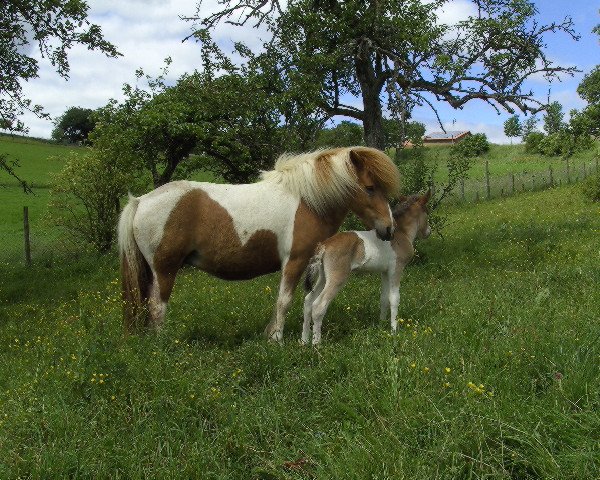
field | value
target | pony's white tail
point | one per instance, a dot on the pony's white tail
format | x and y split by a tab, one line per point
315	269
135	271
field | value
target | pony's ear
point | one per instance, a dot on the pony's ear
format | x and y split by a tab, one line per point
425	198
401	199
357	161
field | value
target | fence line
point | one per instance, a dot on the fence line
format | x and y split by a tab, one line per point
495	186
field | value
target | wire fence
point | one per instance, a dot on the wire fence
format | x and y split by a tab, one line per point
496	186
39	243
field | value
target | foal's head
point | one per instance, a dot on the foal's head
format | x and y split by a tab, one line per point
370	200
412	212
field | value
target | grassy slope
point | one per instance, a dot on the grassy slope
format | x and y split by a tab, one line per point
508	300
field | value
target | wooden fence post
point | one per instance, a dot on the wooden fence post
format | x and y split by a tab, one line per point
487	179
462	188
596	164
26	236
584	172
568	172
551	177
512	180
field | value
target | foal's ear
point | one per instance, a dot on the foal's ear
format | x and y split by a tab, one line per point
425	198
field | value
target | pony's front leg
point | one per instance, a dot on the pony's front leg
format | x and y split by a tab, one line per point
394	296
384	298
289	280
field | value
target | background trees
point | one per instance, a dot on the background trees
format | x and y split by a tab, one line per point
74	125
402	50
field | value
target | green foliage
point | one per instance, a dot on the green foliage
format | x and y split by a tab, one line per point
529	126
84	199
397	133
74	125
471	146
332	50
513	127
532	141
589	88
591	187
344	134
553	118
233	125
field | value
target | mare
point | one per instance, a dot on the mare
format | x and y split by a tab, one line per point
238	232
359	251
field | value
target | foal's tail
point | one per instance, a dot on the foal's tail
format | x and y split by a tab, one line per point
314	269
136	275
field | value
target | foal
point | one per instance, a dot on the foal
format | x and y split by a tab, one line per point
362	251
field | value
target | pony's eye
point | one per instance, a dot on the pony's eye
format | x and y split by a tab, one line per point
370	190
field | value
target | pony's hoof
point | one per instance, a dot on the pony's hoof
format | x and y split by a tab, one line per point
275	337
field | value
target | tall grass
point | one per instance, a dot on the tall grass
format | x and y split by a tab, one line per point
494	374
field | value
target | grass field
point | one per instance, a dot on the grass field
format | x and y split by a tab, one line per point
495	373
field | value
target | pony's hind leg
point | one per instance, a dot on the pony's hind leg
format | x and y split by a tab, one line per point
160	291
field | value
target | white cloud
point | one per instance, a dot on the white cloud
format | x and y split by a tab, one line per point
145	32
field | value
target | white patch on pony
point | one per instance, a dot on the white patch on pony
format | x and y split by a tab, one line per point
152	214
246	205
379	254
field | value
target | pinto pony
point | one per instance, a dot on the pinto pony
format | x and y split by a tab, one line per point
345	252
238	232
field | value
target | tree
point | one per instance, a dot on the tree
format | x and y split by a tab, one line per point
344	134
513	127
74	125
341	48
553	119
52	28
529	126
233	124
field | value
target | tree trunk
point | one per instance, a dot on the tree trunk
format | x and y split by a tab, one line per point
372	116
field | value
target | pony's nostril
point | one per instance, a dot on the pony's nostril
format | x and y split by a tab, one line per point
389	232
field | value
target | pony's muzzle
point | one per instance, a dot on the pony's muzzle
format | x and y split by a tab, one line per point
384	233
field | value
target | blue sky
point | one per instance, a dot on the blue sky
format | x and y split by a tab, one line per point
147	31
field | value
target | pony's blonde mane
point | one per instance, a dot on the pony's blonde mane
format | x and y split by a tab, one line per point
325	179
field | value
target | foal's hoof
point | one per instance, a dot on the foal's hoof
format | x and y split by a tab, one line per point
275	337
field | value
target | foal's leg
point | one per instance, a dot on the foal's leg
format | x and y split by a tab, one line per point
334	280
292	272
384	299
308	304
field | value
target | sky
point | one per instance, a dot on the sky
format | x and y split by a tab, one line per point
148	31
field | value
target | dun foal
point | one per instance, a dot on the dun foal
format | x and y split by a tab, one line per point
362	251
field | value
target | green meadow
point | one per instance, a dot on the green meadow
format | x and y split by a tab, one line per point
495	371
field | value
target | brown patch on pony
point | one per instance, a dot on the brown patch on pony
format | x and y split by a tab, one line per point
200	231
383	171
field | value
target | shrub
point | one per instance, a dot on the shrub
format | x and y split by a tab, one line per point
472	146
591	187
532	141
84	199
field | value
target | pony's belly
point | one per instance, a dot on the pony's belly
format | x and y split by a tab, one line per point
258	256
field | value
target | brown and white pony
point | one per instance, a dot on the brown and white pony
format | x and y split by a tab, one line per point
237	232
348	252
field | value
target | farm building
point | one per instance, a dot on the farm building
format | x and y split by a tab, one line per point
442	138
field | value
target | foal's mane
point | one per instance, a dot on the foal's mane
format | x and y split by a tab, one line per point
325	179
403	207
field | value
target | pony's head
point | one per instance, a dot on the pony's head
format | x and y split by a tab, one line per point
361	179
412	212
378	180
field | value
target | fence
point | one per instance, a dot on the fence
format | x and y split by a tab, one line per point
495	186
39	243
